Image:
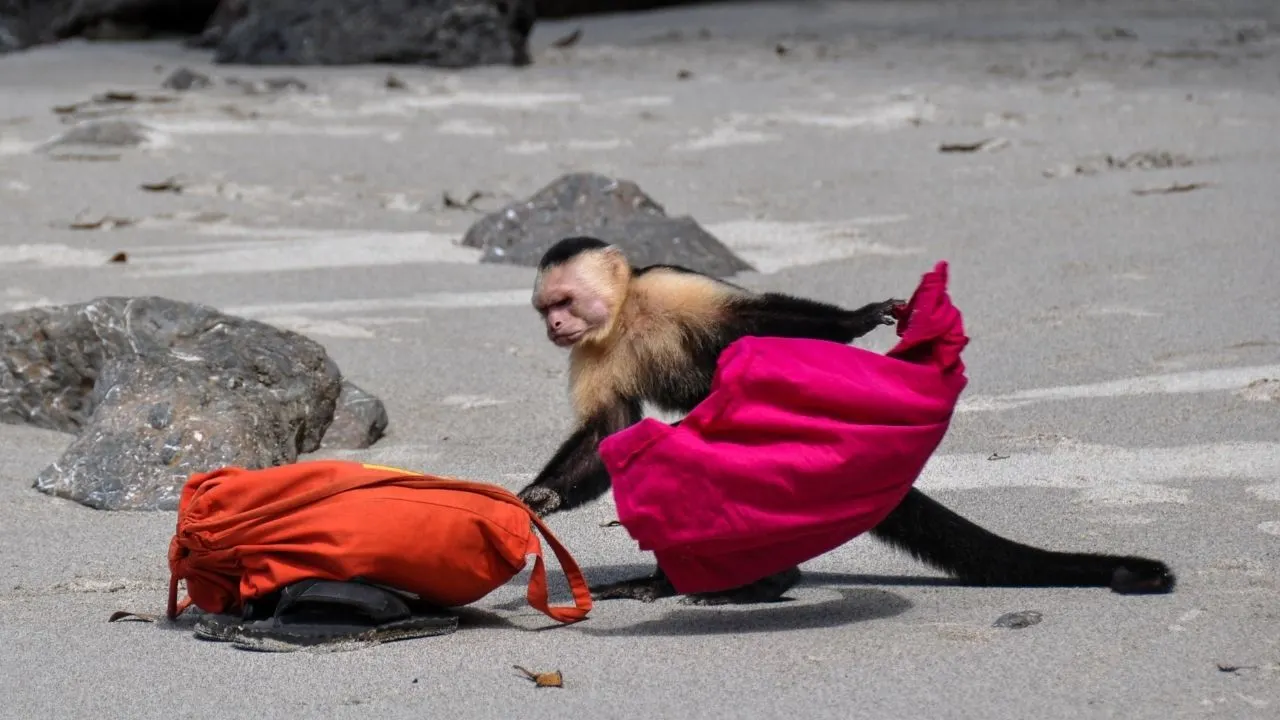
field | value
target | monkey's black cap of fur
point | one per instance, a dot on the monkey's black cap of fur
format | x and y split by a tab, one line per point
569	248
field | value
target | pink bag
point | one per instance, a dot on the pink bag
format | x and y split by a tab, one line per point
801	446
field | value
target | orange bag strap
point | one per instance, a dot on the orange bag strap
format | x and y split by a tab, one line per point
537	595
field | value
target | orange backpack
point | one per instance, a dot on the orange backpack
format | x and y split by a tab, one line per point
244	534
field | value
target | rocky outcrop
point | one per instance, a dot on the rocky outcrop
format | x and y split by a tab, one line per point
156	389
614	210
441	33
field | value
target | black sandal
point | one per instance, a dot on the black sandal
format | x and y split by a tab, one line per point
313	612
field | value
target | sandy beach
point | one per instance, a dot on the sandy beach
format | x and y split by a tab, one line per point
1107	200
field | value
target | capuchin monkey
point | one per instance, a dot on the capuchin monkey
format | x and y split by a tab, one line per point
654	334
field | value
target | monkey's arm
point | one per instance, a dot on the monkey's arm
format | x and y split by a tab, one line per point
780	315
576	475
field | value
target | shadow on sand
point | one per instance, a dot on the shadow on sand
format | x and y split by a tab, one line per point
857	603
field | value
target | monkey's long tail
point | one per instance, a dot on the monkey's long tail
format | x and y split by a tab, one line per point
942	539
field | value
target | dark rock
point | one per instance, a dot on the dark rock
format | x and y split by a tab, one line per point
186	79
148	17
439	33
358	420
156	389
1018	620
615	211
574	8
229	13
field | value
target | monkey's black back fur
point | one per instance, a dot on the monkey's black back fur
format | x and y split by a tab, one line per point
569	248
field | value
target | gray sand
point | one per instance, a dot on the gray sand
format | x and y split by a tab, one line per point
1118	341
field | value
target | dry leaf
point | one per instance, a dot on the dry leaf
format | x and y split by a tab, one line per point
85	157
1170	189
166	185
125	615
449	202
546	679
568	40
106	222
987	144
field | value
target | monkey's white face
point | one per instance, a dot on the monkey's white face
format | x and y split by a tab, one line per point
570	304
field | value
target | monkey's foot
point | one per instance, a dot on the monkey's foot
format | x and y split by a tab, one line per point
765	590
645	589
542	500
1140	576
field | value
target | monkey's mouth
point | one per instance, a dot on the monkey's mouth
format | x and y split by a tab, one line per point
565	339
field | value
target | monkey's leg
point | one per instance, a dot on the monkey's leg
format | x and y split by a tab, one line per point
576	475
765	590
645	589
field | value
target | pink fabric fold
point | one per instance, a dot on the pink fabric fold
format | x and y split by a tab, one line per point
801	446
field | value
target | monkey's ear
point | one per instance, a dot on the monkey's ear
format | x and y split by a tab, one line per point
616	261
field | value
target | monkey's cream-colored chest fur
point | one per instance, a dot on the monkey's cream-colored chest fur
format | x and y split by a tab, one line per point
648	341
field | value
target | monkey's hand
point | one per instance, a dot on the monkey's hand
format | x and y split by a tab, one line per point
891	310
541	499
871	316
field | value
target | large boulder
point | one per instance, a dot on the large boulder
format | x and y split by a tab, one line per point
24	23
614	210
441	33
156	389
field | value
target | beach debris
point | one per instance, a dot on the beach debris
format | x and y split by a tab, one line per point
167	185
1261	390
1141	160
118	258
544	679
111	102
611	523
1116	33
1018	620
468	204
683	74
129	96
156	389
85	157
1170	189
987	145
393	82
127	615
997	456
615	210
268	86
106	222
102	133
568	40
184	79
